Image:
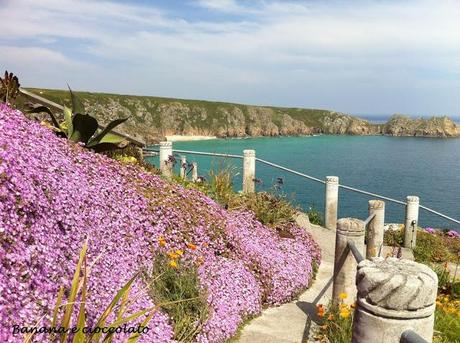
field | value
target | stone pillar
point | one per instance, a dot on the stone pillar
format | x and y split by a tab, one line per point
344	262
375	228
331	202
183	166
394	296
165	164
411	223
249	171
194	171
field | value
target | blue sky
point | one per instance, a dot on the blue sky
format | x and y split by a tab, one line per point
361	57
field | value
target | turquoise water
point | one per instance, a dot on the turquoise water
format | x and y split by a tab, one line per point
390	166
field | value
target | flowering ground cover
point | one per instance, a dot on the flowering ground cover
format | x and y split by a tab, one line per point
55	194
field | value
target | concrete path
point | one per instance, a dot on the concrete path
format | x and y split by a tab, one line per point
294	321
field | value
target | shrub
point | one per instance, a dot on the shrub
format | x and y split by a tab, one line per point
176	285
55	194
336	322
447	323
315	216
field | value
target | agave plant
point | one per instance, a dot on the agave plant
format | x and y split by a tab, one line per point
9	87
80	127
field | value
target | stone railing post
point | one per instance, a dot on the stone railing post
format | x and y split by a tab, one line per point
394	296
411	222
165	164
331	202
194	171
183	166
375	228
249	171
348	229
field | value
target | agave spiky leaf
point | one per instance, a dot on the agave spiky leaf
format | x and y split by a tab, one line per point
84	127
9	87
100	136
77	105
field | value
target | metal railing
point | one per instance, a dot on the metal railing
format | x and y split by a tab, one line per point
306	176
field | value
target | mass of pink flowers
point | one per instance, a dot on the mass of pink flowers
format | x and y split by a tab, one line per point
55	194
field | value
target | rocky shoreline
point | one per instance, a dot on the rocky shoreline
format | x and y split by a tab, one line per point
152	119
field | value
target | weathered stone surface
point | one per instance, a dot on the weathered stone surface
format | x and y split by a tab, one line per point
395	284
394	296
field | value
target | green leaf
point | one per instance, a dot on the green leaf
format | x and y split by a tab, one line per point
68	120
108	146
41	109
80	336
84	127
122	321
73	292
98	138
135	336
77	105
111	306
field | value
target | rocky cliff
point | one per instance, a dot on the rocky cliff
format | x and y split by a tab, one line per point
152	118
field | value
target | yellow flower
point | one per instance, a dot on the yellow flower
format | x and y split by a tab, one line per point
161	241
343	295
344	313
172	255
179	252
173	264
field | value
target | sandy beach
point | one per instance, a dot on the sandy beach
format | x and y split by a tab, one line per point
180	138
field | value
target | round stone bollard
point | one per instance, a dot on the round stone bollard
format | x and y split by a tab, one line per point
394	296
375	228
249	171
411	222
183	167
345	264
331	202
194	171
165	163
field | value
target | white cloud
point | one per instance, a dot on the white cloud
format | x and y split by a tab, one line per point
364	56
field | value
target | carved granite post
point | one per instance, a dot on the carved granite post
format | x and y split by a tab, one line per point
411	223
394	296
348	229
375	228
183	166
165	153
194	171
249	171
331	202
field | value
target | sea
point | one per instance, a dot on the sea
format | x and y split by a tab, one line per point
390	166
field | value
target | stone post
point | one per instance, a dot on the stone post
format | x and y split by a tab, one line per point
394	296
375	228
183	166
165	164
249	171
331	202
195	171
411	223
348	229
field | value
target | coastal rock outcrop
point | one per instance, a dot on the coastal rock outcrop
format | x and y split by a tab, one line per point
400	125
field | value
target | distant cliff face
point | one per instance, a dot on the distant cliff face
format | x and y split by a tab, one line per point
400	125
152	118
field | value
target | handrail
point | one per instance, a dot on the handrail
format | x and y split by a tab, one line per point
357	255
368	220
410	336
311	178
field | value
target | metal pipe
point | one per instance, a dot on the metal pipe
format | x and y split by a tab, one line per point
351	245
368	220
410	336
